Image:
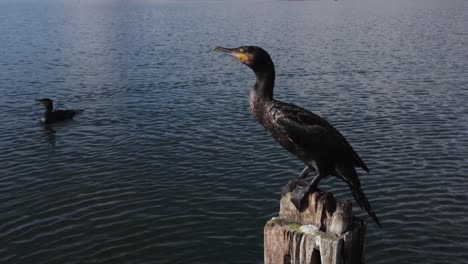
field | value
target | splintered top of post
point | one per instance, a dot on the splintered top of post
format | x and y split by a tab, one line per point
322	211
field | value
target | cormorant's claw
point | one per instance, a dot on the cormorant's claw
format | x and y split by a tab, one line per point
299	197
292	184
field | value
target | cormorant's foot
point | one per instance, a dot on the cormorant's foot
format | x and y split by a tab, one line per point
299	197
293	183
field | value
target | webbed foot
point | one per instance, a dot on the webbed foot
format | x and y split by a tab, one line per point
293	184
299	197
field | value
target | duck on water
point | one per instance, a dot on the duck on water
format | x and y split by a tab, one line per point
306	135
53	116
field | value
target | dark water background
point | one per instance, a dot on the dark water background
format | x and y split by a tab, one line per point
166	165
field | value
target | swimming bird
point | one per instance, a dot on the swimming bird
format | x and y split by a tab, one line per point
306	135
50	116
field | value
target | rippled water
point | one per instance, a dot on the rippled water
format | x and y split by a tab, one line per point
166	165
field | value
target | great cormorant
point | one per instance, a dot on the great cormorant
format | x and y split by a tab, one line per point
50	116
306	135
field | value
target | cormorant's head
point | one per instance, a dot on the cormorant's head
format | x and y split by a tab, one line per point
45	101
252	56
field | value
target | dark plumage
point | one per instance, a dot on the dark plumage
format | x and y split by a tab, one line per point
306	135
50	116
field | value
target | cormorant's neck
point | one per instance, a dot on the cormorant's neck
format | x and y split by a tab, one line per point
49	108
263	88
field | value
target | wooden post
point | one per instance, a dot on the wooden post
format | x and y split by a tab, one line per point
325	232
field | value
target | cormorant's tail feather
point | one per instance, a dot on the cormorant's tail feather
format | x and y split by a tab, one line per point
355	195
349	175
361	199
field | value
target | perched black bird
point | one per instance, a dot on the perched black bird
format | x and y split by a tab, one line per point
306	135
51	116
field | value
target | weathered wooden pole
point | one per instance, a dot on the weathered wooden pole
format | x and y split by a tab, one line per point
325	232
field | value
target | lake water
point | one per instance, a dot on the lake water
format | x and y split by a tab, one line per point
166	164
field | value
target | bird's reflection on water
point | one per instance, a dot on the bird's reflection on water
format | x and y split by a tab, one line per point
49	134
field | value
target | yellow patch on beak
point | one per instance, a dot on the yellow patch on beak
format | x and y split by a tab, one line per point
242	57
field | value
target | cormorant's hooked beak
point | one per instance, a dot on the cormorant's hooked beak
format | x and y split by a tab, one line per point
242	57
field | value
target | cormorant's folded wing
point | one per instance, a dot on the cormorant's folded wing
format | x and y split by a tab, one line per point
309	130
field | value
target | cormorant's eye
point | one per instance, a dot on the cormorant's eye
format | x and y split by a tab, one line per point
242	50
